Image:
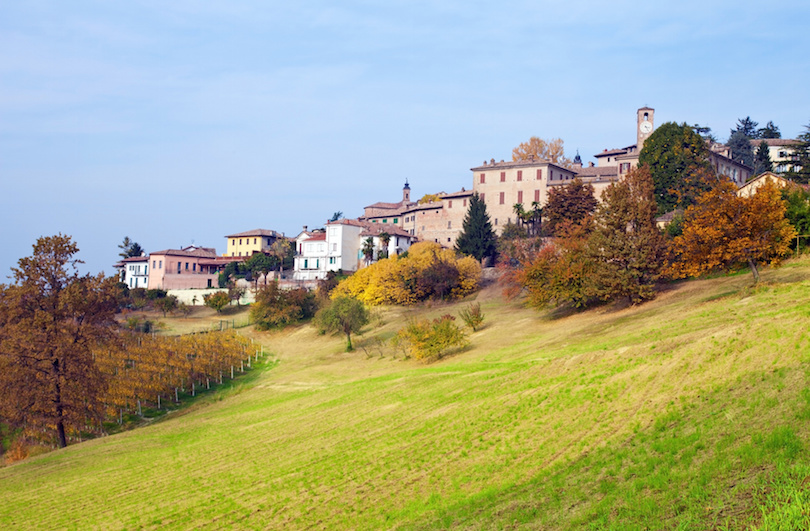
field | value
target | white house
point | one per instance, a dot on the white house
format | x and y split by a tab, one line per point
340	247
134	271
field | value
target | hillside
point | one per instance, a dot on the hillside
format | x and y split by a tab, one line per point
687	412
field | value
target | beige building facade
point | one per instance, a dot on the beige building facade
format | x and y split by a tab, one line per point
252	241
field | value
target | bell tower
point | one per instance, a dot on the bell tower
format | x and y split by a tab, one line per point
644	125
406	192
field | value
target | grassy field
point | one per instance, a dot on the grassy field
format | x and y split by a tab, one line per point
688	412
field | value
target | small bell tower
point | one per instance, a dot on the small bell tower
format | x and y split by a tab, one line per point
406	192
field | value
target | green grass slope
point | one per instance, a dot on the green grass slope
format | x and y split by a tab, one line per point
688	412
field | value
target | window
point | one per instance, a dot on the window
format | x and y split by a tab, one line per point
502	198
450	204
332	260
385	220
550	175
233	242
496	221
153	264
240	241
481	196
179	267
268	241
334	247
306	263
464	203
483	178
520	197
537	195
396	220
194	267
539	174
186	266
520	175
160	264
449	224
503	176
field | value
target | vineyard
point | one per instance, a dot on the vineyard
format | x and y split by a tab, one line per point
145	371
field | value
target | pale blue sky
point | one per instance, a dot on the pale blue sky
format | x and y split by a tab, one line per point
182	121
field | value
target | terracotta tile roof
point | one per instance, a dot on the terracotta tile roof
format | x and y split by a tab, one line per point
775	142
598	171
255	232
617	151
201	252
517	164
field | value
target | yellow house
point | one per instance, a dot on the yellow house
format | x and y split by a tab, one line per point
751	187
252	241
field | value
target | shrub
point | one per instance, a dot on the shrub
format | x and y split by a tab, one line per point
217	300
472	316
424	339
275	308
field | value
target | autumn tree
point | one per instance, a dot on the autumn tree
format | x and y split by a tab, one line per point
477	239
344	315
166	304
50	320
276	307
217	301
626	244
573	202
537	148
678	161
723	230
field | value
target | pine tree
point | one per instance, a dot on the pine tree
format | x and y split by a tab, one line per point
800	170
477	239
741	150
762	162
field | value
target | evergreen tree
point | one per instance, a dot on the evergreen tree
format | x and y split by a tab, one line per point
477	239
800	171
762	162
746	126
626	244
769	131
741	150
678	161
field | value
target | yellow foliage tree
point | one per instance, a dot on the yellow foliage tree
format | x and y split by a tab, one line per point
550	150
428	270
723	230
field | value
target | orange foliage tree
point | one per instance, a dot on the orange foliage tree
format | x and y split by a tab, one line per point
550	150
723	230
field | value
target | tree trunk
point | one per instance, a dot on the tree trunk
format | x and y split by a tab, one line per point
754	271
349	346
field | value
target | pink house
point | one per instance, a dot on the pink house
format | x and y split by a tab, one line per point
190	267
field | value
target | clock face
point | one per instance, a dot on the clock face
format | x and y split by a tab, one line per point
645	127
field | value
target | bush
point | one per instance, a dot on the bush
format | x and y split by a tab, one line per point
424	339
275	308
472	316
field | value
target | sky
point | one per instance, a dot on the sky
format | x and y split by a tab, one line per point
182	122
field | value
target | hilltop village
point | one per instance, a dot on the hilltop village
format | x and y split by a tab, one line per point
390	228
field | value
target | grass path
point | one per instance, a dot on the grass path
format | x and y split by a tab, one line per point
687	412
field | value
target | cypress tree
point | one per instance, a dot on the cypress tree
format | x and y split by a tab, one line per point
762	162
477	239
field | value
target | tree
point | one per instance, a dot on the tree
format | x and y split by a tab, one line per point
762	160
626	244
798	208
769	131
260	264
477	239
430	339
217	301
573	202
800	170
282	250
741	150
129	248
537	148
345	315
747	127
336	216
166	304
723	230
51	318
429	198
235	292
368	250
276	307
385	239
679	166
